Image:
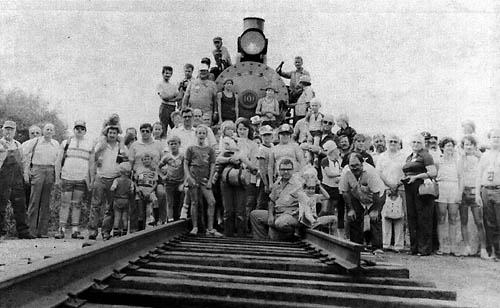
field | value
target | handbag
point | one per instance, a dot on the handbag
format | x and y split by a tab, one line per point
429	188
393	209
236	176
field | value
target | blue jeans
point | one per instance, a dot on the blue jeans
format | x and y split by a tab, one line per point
101	205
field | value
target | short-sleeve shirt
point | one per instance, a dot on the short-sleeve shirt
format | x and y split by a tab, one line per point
76	163
199	159
362	189
138	148
174	166
417	163
390	165
166	89
123	187
302	103
202	94
286	198
335	165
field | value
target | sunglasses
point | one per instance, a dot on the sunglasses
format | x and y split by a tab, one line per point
80	129
145	131
286	169
187	117
327	123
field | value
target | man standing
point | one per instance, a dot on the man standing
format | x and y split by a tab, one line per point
294	76
201	93
12	174
41	159
282	214
488	190
111	154
34	132
169	95
155	148
74	162
362	190
379	146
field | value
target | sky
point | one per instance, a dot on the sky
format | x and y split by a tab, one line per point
392	66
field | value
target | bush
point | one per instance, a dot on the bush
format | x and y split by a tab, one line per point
26	110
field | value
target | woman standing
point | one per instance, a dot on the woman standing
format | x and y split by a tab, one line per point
419	166
235	195
450	196
227	102
390	164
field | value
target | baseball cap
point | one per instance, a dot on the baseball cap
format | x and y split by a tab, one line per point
305	78
80	123
329	146
266	130
217	39
255	120
9	124
285	129
203	67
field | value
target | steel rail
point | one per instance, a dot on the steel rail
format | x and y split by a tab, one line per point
49	282
345	254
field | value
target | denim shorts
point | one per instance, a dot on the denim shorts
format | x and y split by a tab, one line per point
71	185
469	197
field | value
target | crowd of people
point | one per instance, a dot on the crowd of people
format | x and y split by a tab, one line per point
256	177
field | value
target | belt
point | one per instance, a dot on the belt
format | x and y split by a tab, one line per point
491	187
170	103
43	166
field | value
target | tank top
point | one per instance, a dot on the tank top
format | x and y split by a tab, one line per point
228	110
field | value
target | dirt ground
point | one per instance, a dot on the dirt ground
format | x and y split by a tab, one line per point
476	281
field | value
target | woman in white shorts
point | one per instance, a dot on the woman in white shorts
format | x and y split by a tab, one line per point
450	196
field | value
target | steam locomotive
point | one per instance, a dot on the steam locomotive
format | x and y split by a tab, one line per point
250	74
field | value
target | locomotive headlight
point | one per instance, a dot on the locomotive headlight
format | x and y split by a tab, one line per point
253	42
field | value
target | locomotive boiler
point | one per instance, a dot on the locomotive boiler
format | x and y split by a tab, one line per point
250	74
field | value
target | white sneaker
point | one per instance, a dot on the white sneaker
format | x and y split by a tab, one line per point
184	213
484	255
214	232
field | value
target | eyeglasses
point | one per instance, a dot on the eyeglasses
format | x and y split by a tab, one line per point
393	141
187	117
286	169
327	123
80	128
145	131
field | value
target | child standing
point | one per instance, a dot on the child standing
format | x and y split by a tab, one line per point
331	170
199	167
122	190
171	170
146	179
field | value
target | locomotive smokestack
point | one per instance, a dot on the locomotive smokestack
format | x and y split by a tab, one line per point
253	23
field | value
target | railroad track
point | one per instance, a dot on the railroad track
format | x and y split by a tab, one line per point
163	267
